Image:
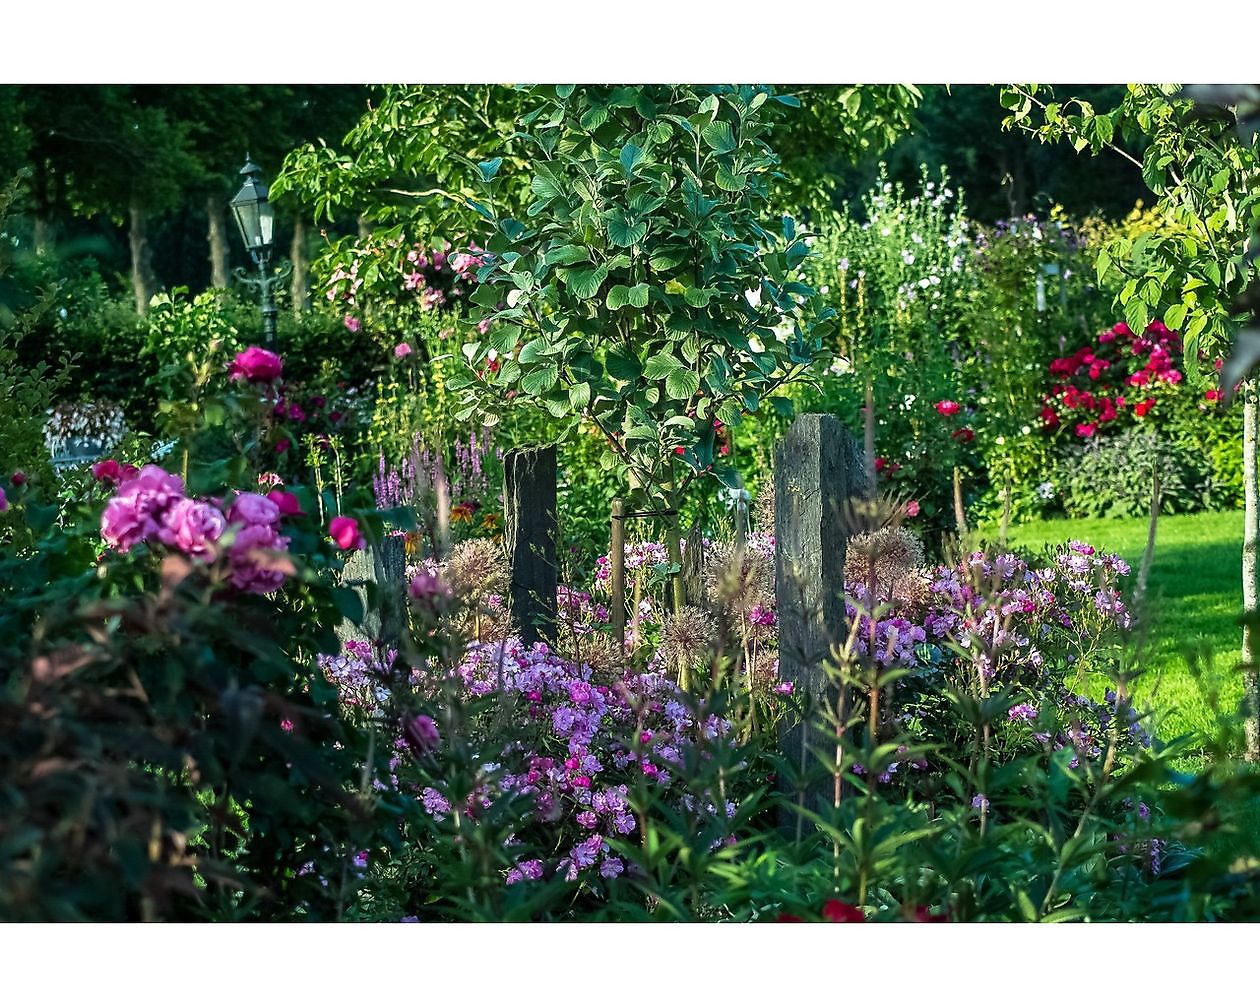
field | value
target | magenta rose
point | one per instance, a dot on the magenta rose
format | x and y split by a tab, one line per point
192	527
421	733
253	509
257	566
255	365
4	501
113	472
345	533
286	502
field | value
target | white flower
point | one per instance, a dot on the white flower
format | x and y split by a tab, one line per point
885	231
914	237
925	283
907	257
844	265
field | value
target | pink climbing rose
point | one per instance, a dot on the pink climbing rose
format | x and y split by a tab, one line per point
255	365
345	533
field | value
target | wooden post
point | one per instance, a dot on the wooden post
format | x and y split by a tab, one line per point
817	466
617	557
529	509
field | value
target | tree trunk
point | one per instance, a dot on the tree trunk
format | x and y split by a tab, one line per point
1251	538
142	279
43	236
216	235
299	289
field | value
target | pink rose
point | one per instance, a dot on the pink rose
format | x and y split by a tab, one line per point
282	446
254	509
345	533
255	365
286	502
421	733
125	523
4	501
947	407
912	508
256	565
192	527
402	350
353	324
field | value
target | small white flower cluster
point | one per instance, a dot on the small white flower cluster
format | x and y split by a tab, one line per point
73	428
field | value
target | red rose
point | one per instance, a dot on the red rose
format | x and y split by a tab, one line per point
964	434
1144	407
842	913
286	502
947	407
1086	430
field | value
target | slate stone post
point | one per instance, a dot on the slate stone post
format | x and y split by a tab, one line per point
818	466
529	510
383	565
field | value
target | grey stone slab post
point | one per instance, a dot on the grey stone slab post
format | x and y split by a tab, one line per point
817	467
383	566
529	510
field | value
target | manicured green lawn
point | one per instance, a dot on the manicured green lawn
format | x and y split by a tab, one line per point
1194	599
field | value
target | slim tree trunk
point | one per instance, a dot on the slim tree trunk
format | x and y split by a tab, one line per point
43	237
142	279
216	235
1251	539
299	290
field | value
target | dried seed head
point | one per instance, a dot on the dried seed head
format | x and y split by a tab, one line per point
688	637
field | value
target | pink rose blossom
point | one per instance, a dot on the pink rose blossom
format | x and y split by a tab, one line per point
255	566
192	527
4	501
353	324
254	509
255	365
912	508
947	407
402	350
345	533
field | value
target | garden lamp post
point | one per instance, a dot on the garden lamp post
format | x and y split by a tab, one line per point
256	219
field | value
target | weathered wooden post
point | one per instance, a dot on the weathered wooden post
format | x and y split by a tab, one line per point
529	508
381	564
818	466
617	557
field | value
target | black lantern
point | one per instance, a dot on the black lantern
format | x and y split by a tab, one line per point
256	219
254	215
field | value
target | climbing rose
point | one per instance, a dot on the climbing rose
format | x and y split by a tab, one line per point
255	365
947	407
345	533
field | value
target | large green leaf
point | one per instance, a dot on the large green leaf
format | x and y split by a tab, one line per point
585	284
622	232
540	379
623	366
719	137
682	384
661	365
